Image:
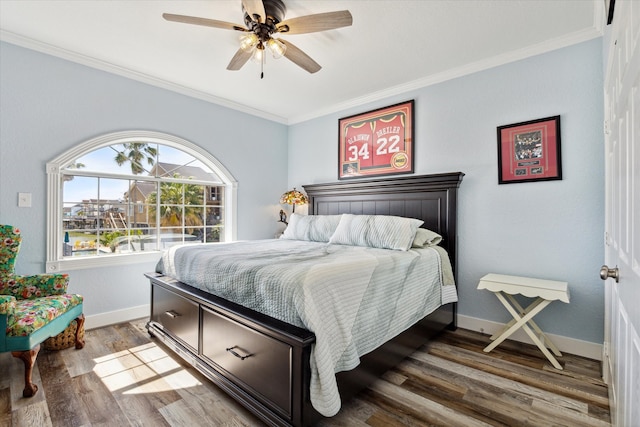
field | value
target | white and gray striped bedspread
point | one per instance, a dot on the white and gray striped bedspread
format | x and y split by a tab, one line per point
352	298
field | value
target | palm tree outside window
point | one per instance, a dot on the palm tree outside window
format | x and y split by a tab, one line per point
137	195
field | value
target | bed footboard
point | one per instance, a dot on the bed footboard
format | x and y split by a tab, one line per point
260	361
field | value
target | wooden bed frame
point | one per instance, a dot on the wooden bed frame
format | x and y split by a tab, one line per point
192	322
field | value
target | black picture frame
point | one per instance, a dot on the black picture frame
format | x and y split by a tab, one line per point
609	5
530	151
377	143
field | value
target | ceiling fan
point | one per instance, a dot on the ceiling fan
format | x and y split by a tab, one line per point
263	20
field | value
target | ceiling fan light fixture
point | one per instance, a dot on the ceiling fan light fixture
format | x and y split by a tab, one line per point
248	41
277	48
264	19
258	53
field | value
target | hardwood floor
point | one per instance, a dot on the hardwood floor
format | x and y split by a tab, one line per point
124	378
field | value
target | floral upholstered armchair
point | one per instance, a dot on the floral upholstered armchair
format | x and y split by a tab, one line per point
32	308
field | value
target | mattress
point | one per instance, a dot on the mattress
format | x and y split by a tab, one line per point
352	298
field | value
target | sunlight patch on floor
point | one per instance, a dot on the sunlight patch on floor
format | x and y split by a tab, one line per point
143	369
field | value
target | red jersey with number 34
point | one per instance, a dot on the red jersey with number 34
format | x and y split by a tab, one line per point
359	144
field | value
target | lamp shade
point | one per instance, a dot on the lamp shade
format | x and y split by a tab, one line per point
294	197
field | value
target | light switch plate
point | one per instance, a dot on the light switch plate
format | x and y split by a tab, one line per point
24	200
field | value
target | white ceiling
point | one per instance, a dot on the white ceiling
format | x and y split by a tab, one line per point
392	46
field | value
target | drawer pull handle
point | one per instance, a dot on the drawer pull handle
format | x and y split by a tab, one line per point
172	314
230	350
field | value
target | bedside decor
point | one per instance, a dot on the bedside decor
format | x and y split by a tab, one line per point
379	142
529	151
293	197
283	217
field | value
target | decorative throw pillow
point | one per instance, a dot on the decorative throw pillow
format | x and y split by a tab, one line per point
314	228
376	231
425	238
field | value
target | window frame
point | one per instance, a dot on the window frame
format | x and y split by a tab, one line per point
55	260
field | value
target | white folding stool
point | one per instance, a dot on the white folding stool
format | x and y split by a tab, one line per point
544	291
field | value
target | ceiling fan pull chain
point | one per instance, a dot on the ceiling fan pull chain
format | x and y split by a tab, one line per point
262	65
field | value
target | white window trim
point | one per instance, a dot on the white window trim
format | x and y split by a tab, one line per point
55	260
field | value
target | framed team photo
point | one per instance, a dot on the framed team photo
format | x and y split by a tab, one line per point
375	143
529	151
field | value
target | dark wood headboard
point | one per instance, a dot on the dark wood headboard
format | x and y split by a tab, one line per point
431	198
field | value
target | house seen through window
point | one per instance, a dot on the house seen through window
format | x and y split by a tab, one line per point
133	196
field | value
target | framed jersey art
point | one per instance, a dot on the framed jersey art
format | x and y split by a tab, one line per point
379	142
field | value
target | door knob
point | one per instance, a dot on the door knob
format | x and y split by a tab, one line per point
606	273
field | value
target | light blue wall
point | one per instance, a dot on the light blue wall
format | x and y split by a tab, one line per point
49	105
548	229
551	230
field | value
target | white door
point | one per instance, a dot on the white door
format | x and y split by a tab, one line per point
622	216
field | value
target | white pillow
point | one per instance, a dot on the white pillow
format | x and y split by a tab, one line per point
425	238
376	231
315	228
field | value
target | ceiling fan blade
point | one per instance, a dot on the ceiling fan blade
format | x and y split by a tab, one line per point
239	59
300	58
203	21
255	7
316	22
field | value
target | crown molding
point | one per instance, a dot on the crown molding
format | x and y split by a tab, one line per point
484	64
89	61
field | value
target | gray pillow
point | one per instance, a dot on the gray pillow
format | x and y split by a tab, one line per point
314	228
376	231
425	238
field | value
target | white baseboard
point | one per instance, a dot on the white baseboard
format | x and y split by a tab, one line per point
564	344
118	316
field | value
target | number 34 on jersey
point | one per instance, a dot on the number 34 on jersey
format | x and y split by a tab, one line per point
377	143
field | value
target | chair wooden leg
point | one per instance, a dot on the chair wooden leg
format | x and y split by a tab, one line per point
29	359
79	327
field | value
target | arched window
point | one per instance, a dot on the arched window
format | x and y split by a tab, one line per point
122	197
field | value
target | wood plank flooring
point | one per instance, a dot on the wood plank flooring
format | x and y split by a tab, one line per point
124	378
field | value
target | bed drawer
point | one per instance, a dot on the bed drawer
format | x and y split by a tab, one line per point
260	363
178	316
